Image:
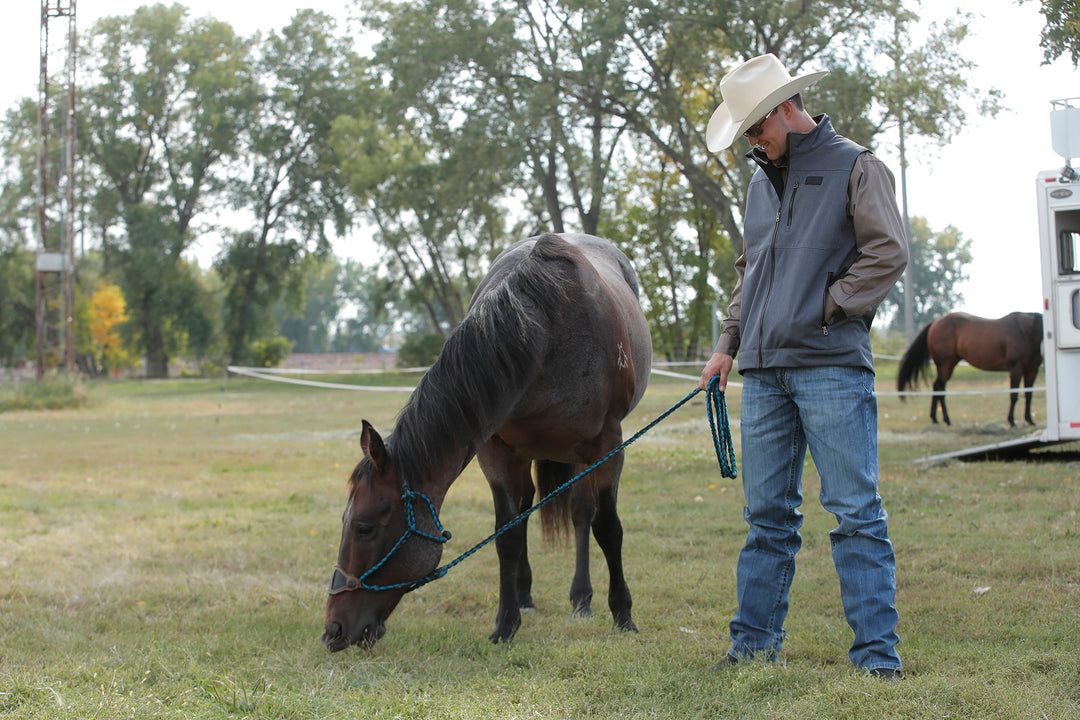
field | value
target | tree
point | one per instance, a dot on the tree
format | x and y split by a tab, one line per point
373	301
289	181
676	250
1062	31
682	49
939	260
492	93
107	311
255	274
17	323
923	95
572	82
310	326
164	107
436	213
17	292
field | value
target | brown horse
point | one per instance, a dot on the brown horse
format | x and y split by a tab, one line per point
1012	343
552	354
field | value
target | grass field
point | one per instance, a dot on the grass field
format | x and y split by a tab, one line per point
165	549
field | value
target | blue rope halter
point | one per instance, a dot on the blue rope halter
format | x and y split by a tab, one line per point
341	581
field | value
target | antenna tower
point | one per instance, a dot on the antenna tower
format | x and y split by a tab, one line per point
54	267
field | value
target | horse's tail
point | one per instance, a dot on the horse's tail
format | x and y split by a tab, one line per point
913	363
555	515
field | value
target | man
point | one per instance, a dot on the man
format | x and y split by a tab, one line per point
823	244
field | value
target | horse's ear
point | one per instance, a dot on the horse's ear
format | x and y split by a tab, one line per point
372	445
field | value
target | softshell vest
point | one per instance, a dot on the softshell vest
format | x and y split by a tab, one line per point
799	240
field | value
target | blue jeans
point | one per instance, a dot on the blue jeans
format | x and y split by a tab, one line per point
833	411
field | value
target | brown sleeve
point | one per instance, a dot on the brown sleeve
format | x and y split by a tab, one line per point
880	237
728	342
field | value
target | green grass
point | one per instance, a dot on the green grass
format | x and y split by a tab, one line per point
57	392
165	549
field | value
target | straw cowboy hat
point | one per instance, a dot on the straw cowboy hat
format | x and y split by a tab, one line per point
750	91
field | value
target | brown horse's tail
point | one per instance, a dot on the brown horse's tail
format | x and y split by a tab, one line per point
913	363
555	515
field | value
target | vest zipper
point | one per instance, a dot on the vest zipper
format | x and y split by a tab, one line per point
772	280
791	205
824	303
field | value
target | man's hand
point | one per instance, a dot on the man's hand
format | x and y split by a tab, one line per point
719	365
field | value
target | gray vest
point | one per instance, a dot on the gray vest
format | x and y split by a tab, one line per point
799	240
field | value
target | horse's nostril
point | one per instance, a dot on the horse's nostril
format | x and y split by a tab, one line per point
332	634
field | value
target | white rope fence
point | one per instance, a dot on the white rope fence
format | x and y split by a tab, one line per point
278	375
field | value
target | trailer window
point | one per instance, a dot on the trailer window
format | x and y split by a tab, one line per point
1069	252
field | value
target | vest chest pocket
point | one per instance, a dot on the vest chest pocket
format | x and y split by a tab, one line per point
815	212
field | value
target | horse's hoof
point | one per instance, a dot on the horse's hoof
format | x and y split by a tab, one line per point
504	633
626	625
582	611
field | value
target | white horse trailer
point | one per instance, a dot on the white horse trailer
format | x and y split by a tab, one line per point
1059	236
1058	195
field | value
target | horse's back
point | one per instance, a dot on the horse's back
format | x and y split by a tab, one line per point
988	343
606	263
608	260
606	257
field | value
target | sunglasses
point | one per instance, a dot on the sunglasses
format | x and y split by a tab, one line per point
756	129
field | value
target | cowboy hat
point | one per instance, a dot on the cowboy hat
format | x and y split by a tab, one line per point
750	91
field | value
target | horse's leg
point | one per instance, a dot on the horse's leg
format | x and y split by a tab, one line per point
1029	381
524	569
944	372
582	513
1014	386
939	386
607	528
511	490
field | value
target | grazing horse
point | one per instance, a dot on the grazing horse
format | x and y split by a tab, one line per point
552	354
1012	343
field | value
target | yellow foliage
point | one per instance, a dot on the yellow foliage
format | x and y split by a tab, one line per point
107	310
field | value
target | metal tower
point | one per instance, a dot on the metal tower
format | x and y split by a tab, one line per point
55	264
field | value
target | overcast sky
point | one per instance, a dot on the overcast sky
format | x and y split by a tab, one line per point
983	183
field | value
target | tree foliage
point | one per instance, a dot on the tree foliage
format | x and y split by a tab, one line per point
939	259
1061	34
470	125
107	312
289	181
164	108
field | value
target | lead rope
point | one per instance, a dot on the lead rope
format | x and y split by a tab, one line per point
725	455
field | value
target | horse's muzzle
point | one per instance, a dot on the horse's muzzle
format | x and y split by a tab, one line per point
335	638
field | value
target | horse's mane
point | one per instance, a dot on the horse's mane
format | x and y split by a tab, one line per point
488	360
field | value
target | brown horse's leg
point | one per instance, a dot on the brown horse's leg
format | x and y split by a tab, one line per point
1029	381
582	512
941	399
939	387
944	372
1014	386
607	528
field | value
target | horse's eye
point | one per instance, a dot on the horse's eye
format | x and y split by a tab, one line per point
363	531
